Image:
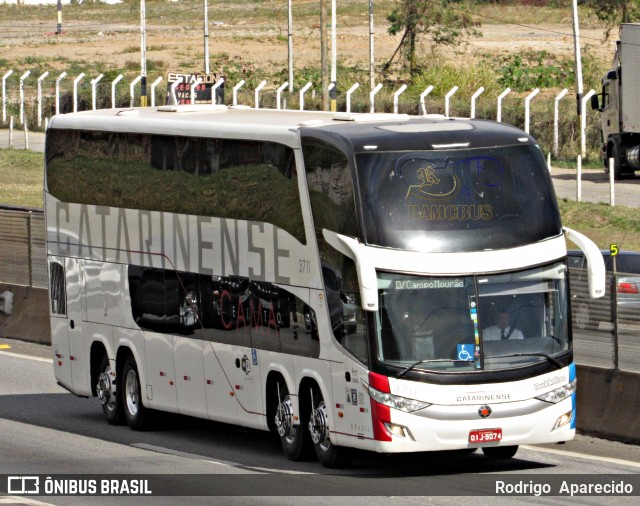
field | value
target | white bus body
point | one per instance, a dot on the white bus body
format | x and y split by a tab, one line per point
325	276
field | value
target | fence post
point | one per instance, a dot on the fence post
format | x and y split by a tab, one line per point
447	98
500	98
302	92
75	91
583	122
372	96
94	84
113	90
235	92
11	131
214	89
26	134
132	90
473	101
58	79
399	92
153	90
279	91
40	79
423	105
579	180
612	193
256	95
527	102
349	93
556	114
172	95
22	78
192	90
4	95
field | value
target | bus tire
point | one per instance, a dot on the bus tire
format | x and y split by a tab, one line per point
294	438
107	392
499	452
134	412
329	455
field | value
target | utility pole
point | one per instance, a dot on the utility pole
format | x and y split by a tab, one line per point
578	60
372	78
334	58
290	49
143	54
59	25
323	54
206	38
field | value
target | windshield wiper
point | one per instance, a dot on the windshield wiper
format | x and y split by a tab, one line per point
425	361
548	357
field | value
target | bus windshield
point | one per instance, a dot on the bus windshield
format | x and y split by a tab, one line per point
456	200
472	323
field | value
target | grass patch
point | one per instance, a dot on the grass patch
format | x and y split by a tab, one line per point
21	174
603	224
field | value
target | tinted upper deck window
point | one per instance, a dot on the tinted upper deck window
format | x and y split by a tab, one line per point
225	178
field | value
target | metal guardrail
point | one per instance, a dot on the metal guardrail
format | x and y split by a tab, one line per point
606	332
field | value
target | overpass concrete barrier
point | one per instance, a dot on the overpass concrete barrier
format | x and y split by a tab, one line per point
608	404
29	320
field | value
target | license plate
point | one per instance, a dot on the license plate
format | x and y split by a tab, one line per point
485	436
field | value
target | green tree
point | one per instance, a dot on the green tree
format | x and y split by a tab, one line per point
614	12
439	20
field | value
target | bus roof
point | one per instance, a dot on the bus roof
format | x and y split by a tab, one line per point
362	130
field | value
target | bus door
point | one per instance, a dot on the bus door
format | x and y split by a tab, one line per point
59	320
75	315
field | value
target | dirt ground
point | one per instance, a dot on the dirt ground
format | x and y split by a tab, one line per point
117	46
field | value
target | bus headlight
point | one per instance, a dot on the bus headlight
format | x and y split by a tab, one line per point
559	394
395	401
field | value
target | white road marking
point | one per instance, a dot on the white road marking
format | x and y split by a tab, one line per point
29	357
12	499
195	456
583	456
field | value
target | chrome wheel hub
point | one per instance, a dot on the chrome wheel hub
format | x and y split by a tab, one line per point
318	426
284	418
106	387
132	393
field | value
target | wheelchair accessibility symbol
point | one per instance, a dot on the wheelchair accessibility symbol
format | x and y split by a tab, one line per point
465	352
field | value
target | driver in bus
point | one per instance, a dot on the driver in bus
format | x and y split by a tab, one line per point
502	329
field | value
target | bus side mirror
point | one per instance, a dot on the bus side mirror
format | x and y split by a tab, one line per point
595	263
595	102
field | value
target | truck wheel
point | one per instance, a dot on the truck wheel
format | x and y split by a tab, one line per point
107	393
617	163
136	414
328	454
294	437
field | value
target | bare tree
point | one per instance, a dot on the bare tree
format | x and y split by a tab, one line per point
439	20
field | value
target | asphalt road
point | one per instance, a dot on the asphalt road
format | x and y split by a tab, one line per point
46	431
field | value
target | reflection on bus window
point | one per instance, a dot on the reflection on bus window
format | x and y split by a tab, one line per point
230	310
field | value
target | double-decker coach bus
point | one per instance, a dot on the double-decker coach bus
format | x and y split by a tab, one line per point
333	278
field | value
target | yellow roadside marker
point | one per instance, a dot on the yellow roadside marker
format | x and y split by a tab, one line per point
4	346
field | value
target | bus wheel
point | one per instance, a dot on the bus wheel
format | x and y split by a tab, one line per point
499	452
106	391
135	413
328	454
293	438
